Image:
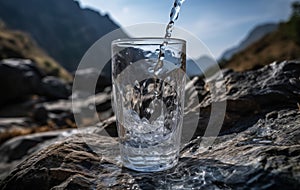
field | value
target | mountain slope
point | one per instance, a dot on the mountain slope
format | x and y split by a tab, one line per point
16	44
193	69
256	34
282	44
61	27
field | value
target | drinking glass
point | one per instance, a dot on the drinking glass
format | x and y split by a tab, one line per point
148	76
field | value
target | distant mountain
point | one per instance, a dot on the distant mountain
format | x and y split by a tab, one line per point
282	44
16	44
256	34
192	68
61	27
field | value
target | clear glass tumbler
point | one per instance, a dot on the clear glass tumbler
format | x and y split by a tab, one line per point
148	100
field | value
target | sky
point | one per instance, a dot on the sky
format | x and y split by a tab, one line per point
219	24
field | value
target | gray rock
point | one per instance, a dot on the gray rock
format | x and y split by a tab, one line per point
12	152
265	156
90	74
21	78
251	95
101	101
18	79
40	116
259	148
19	109
10	127
53	87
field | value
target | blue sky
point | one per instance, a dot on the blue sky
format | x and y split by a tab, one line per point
220	24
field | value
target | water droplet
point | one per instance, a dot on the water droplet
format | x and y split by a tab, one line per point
148	54
158	71
151	69
156	92
167	79
173	112
91	106
137	84
162	57
149	110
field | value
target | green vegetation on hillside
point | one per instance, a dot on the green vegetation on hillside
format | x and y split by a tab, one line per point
282	44
291	29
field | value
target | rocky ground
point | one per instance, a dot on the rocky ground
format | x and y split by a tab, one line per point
259	147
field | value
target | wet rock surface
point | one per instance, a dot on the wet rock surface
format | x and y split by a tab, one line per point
17	149
265	156
251	95
259	147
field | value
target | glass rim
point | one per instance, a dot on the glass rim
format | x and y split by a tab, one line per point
147	41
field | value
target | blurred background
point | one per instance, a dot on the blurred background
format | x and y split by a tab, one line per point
42	43
220	25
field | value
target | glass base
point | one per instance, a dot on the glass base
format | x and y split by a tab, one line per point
150	163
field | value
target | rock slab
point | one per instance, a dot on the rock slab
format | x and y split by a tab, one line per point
260	148
265	156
